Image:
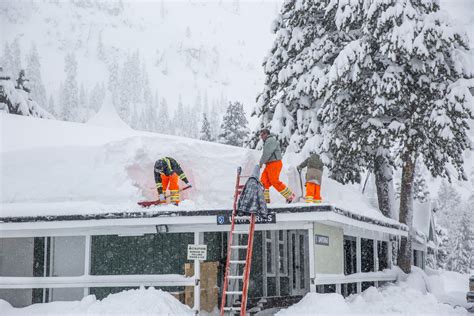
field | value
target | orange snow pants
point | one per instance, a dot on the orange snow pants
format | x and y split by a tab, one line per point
172	181
313	193
271	178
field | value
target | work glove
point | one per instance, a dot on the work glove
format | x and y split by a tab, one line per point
189	185
161	197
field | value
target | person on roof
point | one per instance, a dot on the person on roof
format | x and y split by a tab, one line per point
314	175
271	157
167	173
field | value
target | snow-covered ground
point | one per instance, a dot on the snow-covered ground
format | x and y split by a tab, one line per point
419	294
132	302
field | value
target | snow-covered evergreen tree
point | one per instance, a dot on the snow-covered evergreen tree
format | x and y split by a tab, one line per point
460	257
215	120
16	58
7	61
97	96
401	84
234	127
51	105
163	121
307	41
70	102
205	129
15	99
179	119
33	70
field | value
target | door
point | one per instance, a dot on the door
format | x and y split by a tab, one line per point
299	262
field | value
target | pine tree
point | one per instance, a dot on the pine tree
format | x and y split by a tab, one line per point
7	61
214	120
234	130
179	119
460	258
306	43
33	70
16	61
51	106
163	121
100	49
400	84
205	129
97	96
70	96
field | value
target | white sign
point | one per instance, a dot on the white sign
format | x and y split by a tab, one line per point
197	252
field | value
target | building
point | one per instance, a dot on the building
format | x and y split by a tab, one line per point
55	249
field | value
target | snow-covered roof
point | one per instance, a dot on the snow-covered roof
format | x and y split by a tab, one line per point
422	219
61	168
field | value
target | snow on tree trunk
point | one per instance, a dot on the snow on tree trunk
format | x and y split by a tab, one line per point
384	183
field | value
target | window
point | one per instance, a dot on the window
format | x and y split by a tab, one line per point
270	253
350	255
282	253
367	255
382	254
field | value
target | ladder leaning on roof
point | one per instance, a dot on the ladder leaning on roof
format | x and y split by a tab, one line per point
233	259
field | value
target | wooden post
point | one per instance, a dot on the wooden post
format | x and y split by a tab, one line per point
376	256
358	262
87	260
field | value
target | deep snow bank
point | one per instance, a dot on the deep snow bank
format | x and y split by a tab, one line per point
61	168
418	294
132	302
52	167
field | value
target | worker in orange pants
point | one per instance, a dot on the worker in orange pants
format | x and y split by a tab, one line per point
271	157
314	177
167	174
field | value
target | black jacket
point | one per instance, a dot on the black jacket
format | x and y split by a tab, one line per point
167	166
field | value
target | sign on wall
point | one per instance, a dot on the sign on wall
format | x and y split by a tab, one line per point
226	219
321	240
197	252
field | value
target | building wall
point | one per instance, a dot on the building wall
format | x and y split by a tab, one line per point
329	259
16	259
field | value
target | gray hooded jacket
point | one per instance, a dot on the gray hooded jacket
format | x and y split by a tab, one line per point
271	150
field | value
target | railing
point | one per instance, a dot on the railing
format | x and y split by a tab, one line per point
358	278
90	281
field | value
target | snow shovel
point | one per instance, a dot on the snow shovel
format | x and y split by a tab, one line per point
301	198
158	202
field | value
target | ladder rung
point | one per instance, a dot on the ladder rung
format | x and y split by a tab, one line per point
236	277
232	309
239	247
237	261
240	186
233	293
243	232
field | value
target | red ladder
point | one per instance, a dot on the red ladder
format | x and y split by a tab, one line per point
231	261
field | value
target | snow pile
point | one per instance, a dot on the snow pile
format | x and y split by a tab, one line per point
52	168
132	302
107	116
63	168
410	297
448	286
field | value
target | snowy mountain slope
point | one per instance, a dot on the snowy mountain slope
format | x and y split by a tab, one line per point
189	47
